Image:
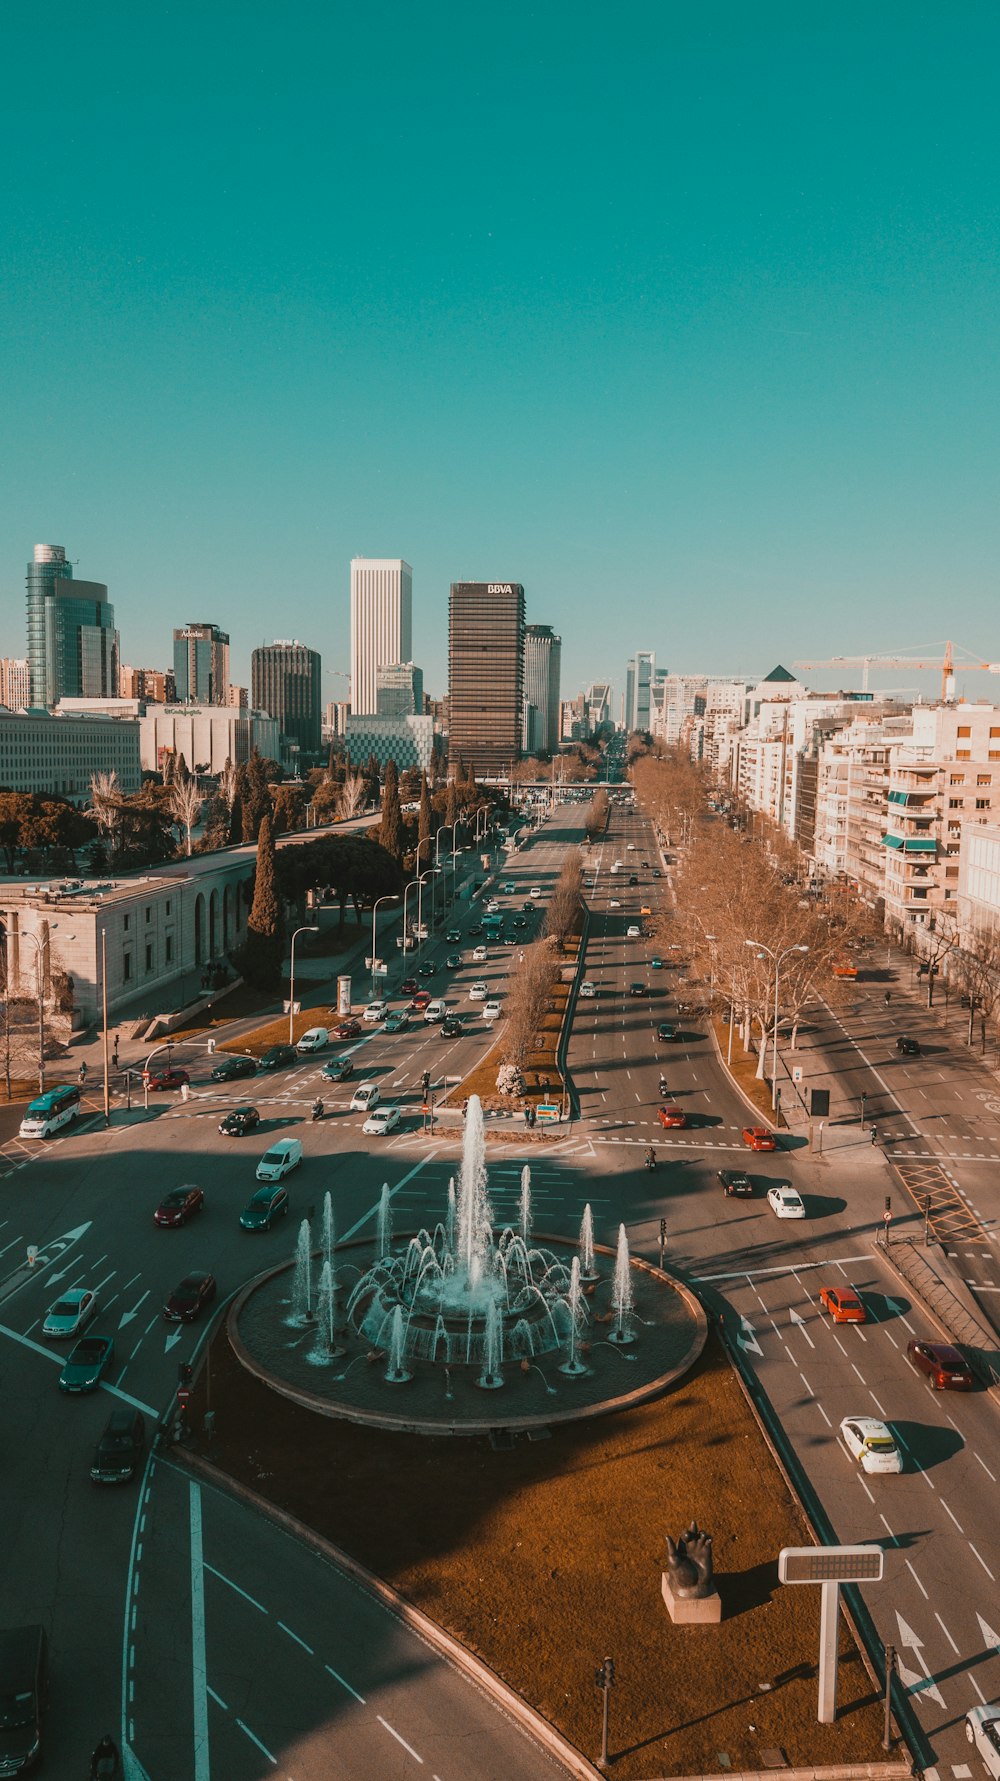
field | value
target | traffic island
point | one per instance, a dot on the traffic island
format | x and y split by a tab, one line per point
544	1556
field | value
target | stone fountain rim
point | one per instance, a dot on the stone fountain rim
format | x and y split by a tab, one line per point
439	1425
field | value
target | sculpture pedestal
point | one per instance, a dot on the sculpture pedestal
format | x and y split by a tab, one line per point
686	1610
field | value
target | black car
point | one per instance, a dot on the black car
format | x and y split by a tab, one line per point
263	1207
277	1057
23	1689
637	989
189	1299
239	1122
907	1047
229	1068
645	865
120	1448
475	930
520	921
453	936
667	1033
633	879
509	939
338	1069
451	1027
733	1181
427	969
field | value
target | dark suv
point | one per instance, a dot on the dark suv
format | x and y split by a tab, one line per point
119	1449
907	1047
23	1683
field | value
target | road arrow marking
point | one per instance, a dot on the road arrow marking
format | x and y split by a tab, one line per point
127	1316
916	1684
907	1636
896	1306
801	1322
747	1338
990	1638
172	1340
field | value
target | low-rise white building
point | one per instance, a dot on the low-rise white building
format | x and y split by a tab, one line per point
58	753
207	736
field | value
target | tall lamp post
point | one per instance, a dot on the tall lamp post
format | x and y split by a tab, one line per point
37	944
779	959
310	928
390	897
431	872
446	828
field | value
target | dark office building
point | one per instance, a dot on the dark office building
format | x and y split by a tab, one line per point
286	683
201	665
72	641
485	674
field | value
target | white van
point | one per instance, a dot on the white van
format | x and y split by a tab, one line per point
284	1155
435	1010
316	1039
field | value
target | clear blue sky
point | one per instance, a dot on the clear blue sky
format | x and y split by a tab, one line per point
684	316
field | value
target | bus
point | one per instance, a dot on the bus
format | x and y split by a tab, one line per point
50	1112
492	926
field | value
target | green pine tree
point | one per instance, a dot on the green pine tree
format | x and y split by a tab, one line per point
424	824
265	945
391	826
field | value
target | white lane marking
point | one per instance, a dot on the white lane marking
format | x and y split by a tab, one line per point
394	1733
199	1662
986	1468
236	1587
824	1415
343	1684
982	1561
255	1740
954	1517
295	1636
916	1580
217	1698
787	1268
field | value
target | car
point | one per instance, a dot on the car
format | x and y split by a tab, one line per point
87	1364
534	893
637	989
479	955
347	1029
667	1033
24	1694
365	1096
284	1155
453	961
409	986
189	1297
645	865
907	1047
656	963
375	1012
180	1204
509	939
397	1021
263	1207
587	989
656	872
672	1117
314	1039
277	1057
630	848
70	1314
633	878
613	903
435	1011
475	930
478	991
734	1182
982	1728
338	1069
645	909
844	1304
228	1069
785	1202
520	922
492	1009
453	936
240	1121
632	932
759	1138
165	1079
120	1448
509	888
493	907
942	1365
420	1001
528	908
427	969
452	1027
380	1121
870	1442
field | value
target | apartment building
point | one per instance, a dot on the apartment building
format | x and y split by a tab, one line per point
944	782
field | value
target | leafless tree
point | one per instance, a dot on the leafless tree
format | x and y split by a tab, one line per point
528	1001
105	806
185	805
351	796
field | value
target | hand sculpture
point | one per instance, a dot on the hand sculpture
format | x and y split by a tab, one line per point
689	1564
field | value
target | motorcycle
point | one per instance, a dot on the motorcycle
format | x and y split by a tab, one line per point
663	1086
317	1110
650	1160
106	1764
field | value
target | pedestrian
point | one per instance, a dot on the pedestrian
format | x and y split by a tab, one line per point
114	1054
874	1134
185	1091
888	998
83	1073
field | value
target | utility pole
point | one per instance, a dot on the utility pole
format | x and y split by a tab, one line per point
890	1665
604	1676
663	1238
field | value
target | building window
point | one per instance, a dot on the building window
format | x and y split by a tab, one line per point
170	949
963	754
149	958
127	966
995	730
149	915
168	905
964	730
984	779
954	803
128	919
982	803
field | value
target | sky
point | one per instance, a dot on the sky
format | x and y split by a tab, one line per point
683	316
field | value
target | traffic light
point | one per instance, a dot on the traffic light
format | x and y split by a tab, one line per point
185	1375
426	1081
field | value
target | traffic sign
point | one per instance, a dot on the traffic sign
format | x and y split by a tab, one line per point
546	1110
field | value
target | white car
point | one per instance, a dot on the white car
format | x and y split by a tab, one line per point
478	991
491	1010
588	989
613	903
479	955
365	1097
785	1202
982	1728
314	1040
375	1012
70	1314
869	1441
632	932
631	847
493	907
381	1121
534	891
284	1156
435	1011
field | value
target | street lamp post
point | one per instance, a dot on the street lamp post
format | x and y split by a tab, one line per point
37	944
430	873
308	929
445	829
390	897
779	959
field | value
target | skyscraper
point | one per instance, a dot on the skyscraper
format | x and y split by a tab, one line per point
201	665
638	680
381	624
485	673
399	690
542	654
72	641
285	681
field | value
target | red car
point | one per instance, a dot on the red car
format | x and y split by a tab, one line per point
181	1203
843	1303
943	1365
759	1138
189	1299
421	999
347	1029
166	1078
672	1117
409	986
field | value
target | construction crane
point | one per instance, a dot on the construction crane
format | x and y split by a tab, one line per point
946	665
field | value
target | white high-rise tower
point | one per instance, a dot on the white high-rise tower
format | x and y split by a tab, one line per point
381	624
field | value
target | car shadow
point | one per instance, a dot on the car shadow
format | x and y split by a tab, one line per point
880	1308
823	1205
926	1445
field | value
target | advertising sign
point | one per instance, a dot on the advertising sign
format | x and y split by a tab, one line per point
343	995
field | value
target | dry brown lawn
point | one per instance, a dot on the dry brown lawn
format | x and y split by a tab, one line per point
546	1557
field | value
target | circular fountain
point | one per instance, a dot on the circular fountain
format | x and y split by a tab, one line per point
451	1314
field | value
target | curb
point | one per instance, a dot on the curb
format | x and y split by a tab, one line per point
764	1118
847	1771
451	1649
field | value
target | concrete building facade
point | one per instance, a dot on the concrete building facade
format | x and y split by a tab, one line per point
542	673
207	735
399	690
409	741
485	674
59	753
286	682
15	682
381	624
201	664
